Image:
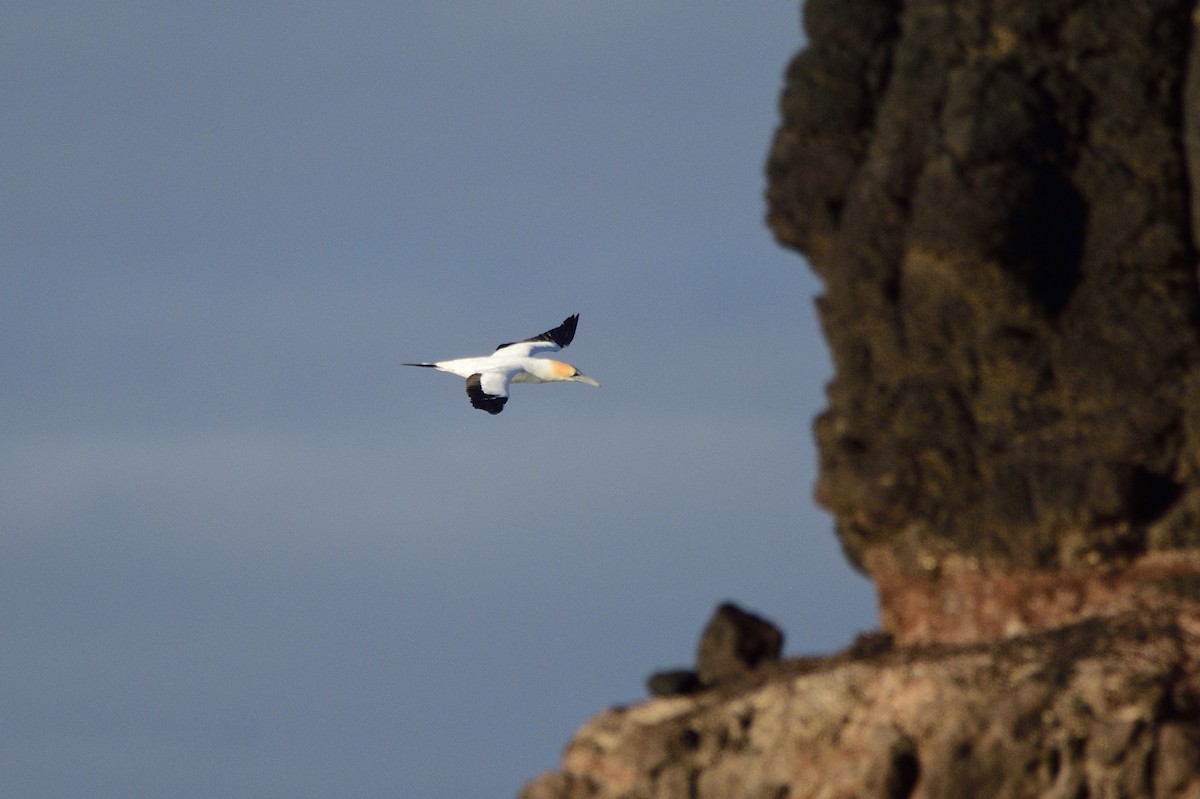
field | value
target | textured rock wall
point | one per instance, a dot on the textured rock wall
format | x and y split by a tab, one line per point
996	197
1099	709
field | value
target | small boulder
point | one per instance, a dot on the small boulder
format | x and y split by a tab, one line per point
673	683
734	642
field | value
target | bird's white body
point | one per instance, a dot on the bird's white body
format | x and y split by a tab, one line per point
489	377
519	369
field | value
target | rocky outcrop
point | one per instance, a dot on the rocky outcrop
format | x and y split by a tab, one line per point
733	643
996	198
1095	709
999	200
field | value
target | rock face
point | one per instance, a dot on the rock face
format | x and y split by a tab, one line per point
1099	709
996	197
999	198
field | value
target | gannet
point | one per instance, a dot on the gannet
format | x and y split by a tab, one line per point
488	377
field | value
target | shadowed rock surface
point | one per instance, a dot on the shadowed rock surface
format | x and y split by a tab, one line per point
733	643
998	197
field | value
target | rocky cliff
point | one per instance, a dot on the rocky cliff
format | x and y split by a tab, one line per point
998	198
1105	708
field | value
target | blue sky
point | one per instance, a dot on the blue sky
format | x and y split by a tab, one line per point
245	552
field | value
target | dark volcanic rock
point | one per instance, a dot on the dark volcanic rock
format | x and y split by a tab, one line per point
734	642
996	197
674	682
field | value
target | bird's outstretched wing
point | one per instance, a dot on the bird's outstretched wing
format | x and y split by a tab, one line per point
489	390
550	341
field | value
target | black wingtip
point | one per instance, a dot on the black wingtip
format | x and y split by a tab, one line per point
426	365
561	335
564	334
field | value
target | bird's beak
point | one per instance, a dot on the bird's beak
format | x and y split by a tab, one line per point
586	379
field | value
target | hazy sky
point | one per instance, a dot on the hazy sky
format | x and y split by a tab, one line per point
245	553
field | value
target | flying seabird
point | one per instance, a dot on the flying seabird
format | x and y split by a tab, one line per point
488	377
